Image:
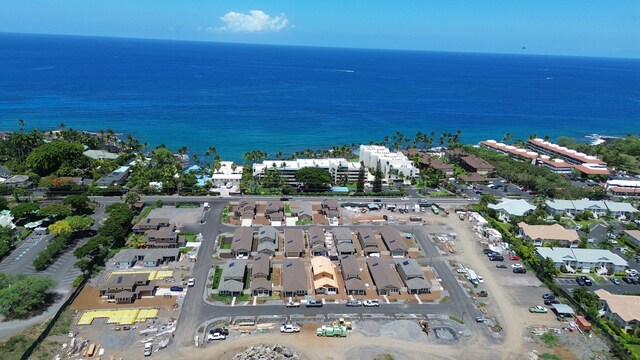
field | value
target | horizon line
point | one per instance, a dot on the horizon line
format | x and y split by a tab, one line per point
319	46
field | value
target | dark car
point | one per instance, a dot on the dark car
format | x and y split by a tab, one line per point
519	270
224	332
285	198
627	280
587	280
176	288
497	258
377	200
548	296
501	266
487	251
634	281
580	281
551	302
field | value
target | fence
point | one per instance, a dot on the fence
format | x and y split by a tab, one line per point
52	322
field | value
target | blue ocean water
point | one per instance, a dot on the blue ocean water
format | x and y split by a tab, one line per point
279	98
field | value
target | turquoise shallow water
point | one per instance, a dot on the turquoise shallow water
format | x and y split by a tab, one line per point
276	98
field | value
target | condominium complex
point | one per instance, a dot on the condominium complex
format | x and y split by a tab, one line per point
391	163
339	168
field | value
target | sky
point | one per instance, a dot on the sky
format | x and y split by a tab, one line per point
567	27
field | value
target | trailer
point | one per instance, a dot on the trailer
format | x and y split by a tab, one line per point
331	331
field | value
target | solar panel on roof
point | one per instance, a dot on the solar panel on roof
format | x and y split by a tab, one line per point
119	279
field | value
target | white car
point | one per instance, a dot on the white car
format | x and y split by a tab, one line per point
293	304
216	336
289	329
480	279
516	265
371	303
191	282
148	349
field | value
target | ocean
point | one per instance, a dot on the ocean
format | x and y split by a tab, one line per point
282	98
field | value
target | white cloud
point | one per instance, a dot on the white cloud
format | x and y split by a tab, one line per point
254	21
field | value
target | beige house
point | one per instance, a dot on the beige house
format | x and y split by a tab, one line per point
541	234
622	310
325	280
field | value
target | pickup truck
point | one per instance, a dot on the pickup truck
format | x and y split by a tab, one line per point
314	303
289	329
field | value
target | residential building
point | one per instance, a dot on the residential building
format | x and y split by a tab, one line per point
596	207
344	241
150	224
413	277
164	237
17	181
228	175
623	187
510	150
330	208
437	164
585	259
325	280
558	166
294	278
294	245
261	276
242	242
620	209
368	242
633	236
267	240
127	287
393	164
473	178
351	275
317	241
541	234
622	310
339	169
302	210
383	276
478	165
127	258
246	209
100	155
232	278
586	164
115	178
394	241
510	207
274	210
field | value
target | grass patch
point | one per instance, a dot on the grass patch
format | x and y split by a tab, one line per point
456	319
635	350
384	357
300	222
287	209
550	339
145	212
549	356
598	280
190	237
444	299
23	235
227	299
440	193
225	213
225	243
216	277
63	324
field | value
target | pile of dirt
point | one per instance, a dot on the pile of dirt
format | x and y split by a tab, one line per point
268	352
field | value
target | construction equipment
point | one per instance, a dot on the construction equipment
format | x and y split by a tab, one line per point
332	331
424	324
342	322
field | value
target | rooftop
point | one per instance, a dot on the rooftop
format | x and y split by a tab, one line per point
517	207
561	254
549	232
626	306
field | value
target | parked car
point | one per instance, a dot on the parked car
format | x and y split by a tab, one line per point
293	304
587	280
514	257
222	331
479	319
516	265
191	282
289	329
176	288
354	303
148	349
480	279
548	296
497	258
370	303
486	251
538	309
216	336
615	281
501	266
551	302
314	303
519	270
580	281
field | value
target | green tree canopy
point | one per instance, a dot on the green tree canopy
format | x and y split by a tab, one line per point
361	178
49	157
81	204
22	295
313	178
59	227
54	211
78	223
24	210
377	179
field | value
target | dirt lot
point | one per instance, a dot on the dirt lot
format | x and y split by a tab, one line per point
178	216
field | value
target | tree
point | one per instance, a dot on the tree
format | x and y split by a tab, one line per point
25	210
49	157
54	211
255	156
313	178
59	227
81	204
4	204
132	197
486	199
22	295
361	178
377	178
79	223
